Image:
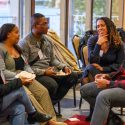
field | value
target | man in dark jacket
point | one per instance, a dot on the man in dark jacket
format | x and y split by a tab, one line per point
107	90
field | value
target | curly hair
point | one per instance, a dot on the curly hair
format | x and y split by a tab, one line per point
114	38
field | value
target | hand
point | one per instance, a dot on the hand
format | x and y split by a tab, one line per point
102	39
26	81
102	76
67	70
102	83
50	71
97	66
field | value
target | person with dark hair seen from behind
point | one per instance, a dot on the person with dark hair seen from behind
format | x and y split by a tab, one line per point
105	50
14	102
39	52
13	63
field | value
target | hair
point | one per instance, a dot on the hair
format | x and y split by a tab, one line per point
113	37
34	18
5	29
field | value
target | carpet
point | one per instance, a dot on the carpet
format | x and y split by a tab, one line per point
81	120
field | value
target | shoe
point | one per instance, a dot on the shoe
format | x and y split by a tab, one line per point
88	118
38	117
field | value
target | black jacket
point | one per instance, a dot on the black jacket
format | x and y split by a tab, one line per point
9	87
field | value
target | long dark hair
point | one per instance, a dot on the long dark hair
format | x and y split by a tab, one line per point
5	30
113	37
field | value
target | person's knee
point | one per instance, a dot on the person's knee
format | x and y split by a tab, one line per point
103	98
86	90
18	109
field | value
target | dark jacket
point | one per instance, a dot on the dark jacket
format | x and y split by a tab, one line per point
9	87
118	77
111	60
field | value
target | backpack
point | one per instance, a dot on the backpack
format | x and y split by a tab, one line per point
121	32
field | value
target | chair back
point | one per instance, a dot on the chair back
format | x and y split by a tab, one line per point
84	56
75	43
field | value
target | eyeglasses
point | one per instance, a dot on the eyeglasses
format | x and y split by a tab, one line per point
44	24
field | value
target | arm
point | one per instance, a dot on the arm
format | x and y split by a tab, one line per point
118	61
9	87
93	50
9	75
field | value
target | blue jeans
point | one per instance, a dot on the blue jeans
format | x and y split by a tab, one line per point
21	102
15	113
102	100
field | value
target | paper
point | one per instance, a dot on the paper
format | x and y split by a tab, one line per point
73	119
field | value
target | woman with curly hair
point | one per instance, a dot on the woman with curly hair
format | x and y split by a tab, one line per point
105	52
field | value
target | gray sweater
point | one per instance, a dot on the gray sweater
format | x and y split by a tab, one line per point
7	64
43	50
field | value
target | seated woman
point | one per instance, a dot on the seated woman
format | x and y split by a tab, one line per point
105	50
107	91
14	102
12	62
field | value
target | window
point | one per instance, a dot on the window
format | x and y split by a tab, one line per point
116	12
99	10
9	11
79	16
51	9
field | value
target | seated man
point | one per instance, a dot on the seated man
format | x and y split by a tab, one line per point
106	91
39	52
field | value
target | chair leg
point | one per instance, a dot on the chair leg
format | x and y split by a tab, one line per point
74	94
80	102
59	109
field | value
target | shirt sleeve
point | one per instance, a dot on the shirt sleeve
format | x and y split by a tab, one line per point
117	63
10	86
93	50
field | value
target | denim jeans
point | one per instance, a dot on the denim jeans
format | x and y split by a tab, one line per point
21	102
102	100
14	113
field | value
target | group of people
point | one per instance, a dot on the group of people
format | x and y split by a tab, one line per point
35	55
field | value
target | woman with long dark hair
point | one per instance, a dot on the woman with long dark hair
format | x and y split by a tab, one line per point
105	50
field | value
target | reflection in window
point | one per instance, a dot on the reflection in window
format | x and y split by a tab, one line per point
115	12
8	11
99	10
79	16
51	9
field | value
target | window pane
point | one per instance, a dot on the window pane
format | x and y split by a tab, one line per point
115	12
51	9
77	20
79	16
9	11
99	10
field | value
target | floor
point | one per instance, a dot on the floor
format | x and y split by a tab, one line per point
68	109
67	105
